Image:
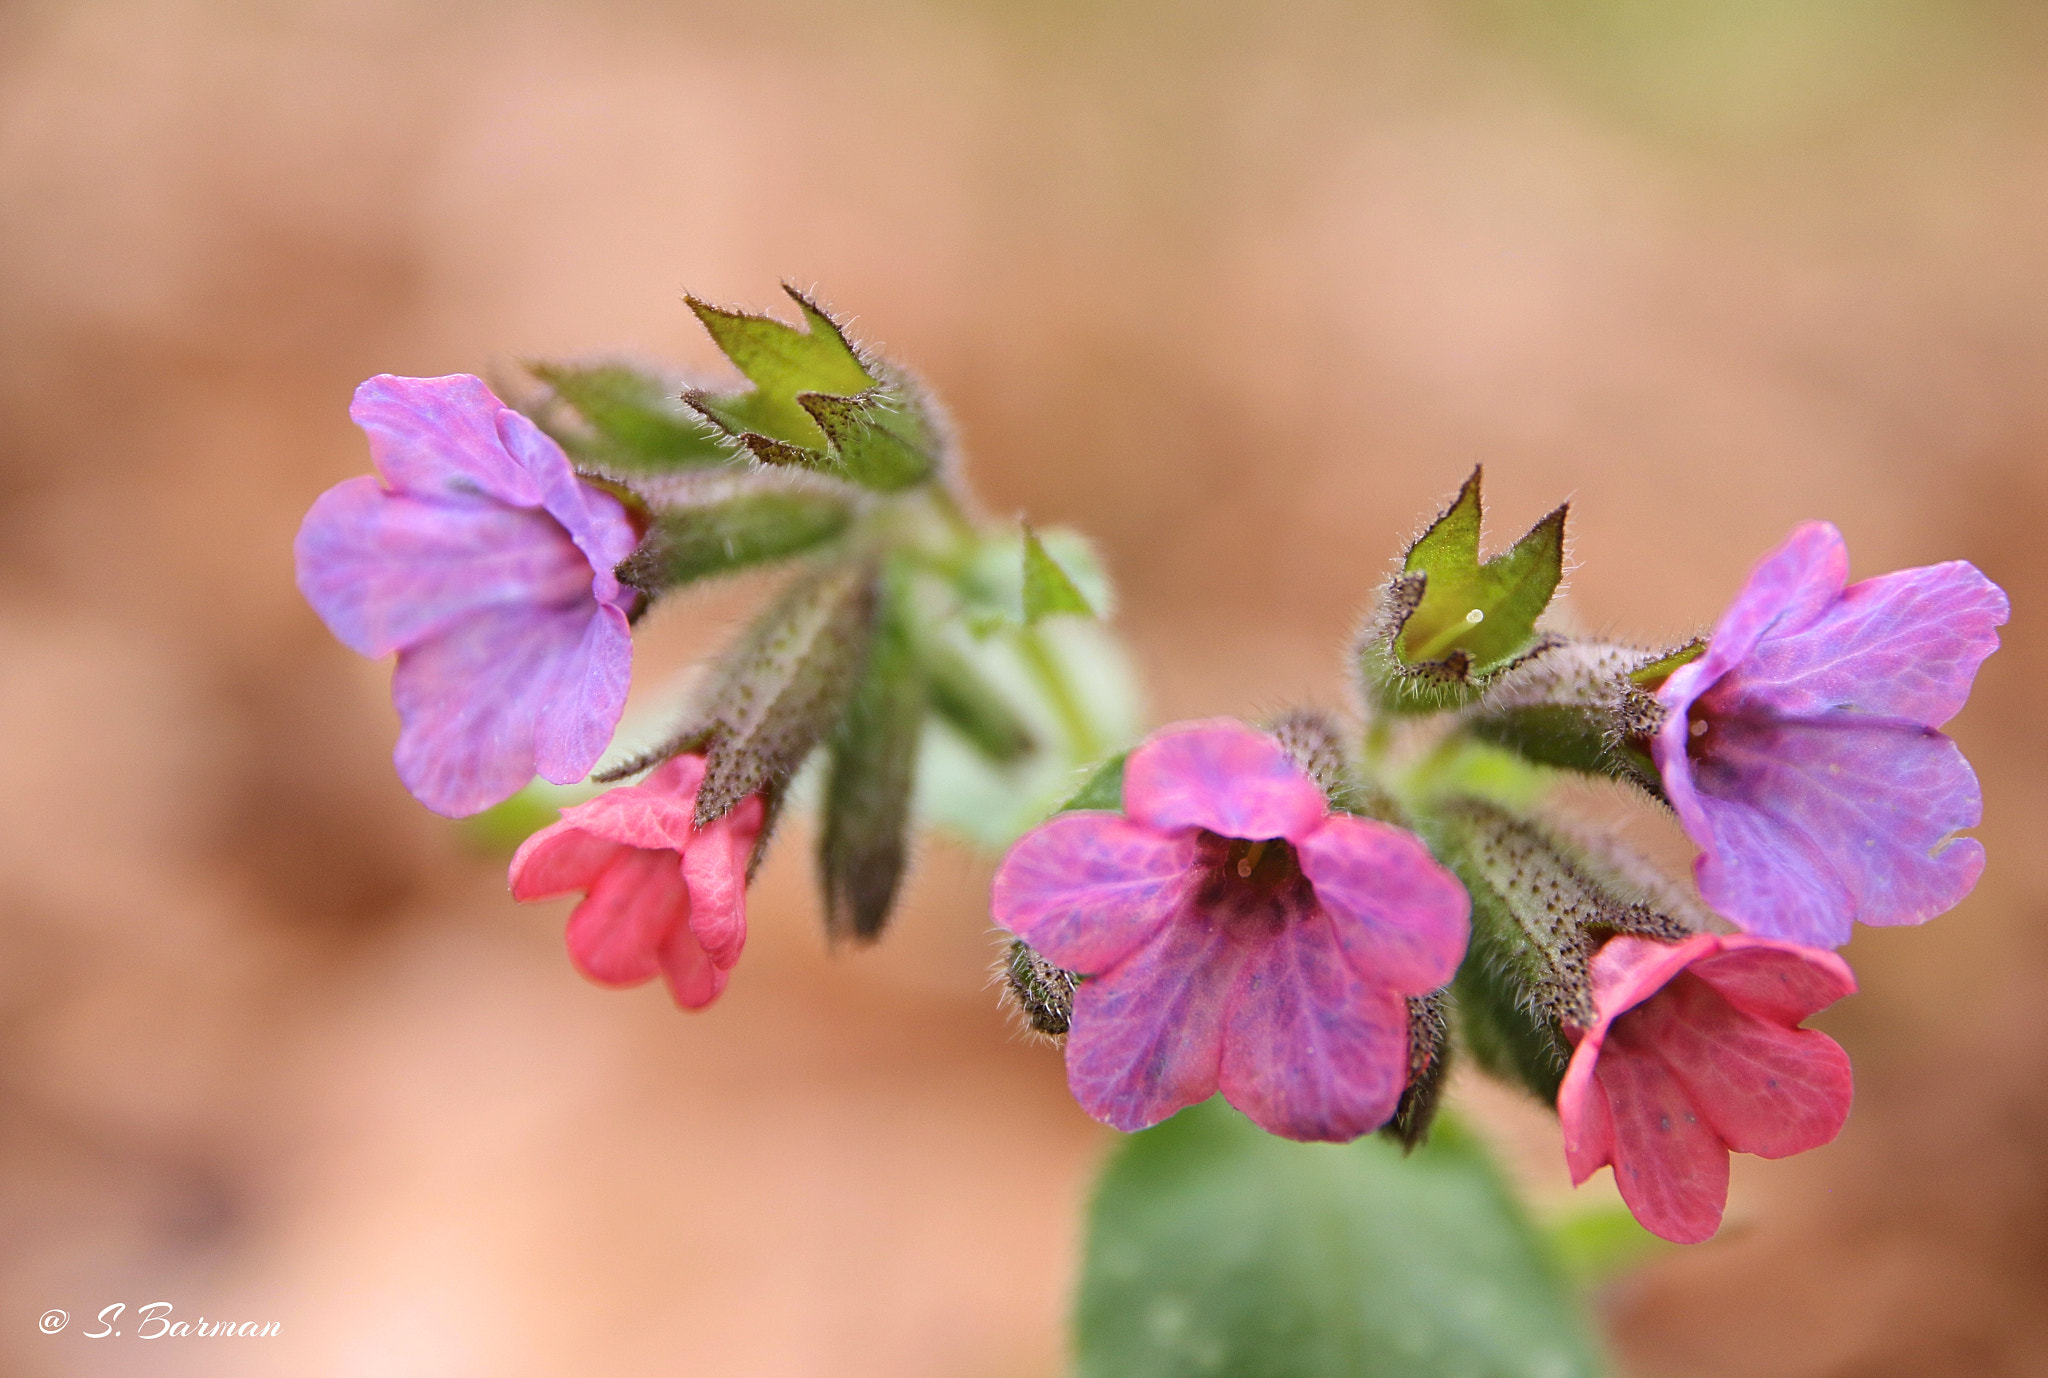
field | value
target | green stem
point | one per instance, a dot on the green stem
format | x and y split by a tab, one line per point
1087	745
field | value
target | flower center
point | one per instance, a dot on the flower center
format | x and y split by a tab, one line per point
1255	885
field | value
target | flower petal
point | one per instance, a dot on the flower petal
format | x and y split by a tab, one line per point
385	570
1087	889
470	701
576	723
617	933
439	437
595	520
1147	1037
1764	1087
1902	645
1671	1167
1808	827
559	858
1401	918
1221	775
716	868
694	980
1582	1111
1775	980
1311	1050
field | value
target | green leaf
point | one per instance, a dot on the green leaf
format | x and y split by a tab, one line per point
631	422
688	543
781	362
1215	1248
871	767
784	686
1474	614
1047	588
1104	789
964	699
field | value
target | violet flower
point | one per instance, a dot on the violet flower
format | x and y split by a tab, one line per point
1697	1052
1801	751
486	564
662	896
1236	935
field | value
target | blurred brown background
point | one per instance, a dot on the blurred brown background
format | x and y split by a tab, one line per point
1243	290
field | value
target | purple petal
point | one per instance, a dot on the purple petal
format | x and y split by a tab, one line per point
595	520
1808	827
1764	1087
1312	1051
438	437
1087	889
1400	917
576	723
470	703
1147	1037
385	570
1221	775
1903	645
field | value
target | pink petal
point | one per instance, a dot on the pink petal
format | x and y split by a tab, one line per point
439	437
1582	1111
385	570
1775	980
616	935
595	520
636	816
1401	918
1087	889
1220	775
1147	1037
694	980
1311	1051
1628	970
559	858
1671	1167
1765	1088
716	868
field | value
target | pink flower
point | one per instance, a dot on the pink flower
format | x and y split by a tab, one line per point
1801	751
486	564
661	895
1696	1052
1235	934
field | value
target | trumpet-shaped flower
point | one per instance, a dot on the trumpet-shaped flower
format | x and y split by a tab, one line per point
1236	935
662	896
1801	752
486	564
1696	1052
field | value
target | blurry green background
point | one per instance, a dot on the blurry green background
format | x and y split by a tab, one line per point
1242	291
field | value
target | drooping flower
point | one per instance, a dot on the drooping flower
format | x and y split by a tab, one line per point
486	564
1801	752
1235	934
1696	1052
661	895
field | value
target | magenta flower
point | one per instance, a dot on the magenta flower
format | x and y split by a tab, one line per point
662	896
486	564
1801	751
1696	1052
1236	935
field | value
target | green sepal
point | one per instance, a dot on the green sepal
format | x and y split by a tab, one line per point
1104	789
1450	622
1571	736
964	700
871	767
1429	1067
692	542
1503	1032
874	441
1215	1248
776	694
1043	994
1655	672
781	361
626	422
1048	590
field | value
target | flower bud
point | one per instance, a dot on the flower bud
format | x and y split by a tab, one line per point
1039	991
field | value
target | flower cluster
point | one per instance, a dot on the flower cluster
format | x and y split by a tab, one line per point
1303	920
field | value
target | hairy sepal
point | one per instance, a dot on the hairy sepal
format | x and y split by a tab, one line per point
619	421
688	542
1583	707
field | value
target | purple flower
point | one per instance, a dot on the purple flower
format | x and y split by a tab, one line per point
486	564
1801	750
1236	935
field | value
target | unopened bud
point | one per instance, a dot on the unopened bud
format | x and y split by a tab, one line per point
1429	1065
1039	991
